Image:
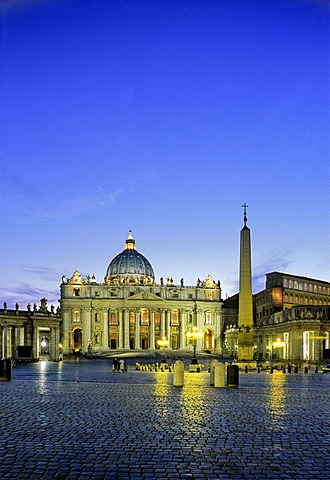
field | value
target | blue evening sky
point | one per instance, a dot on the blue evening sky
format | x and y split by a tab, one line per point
163	117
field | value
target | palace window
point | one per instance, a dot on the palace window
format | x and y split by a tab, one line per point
76	316
113	320
174	318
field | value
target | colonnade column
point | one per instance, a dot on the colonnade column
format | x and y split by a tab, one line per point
152	330
4	342
120	328
54	343
183	321
126	329
35	342
137	329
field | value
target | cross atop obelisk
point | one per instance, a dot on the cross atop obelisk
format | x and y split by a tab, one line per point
244	206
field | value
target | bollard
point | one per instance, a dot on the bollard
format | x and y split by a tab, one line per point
212	365
246	369
283	369
289	368
232	376
219	375
178	375
296	369
306	369
316	369
5	369
271	370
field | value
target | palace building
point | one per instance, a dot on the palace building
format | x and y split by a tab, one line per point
130	311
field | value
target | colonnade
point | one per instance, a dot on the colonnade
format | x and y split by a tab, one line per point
13	336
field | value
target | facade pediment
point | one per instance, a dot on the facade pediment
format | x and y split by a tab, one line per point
146	296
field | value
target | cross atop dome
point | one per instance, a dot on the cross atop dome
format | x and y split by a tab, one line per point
130	242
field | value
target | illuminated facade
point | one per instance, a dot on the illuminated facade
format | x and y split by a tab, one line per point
130	311
291	308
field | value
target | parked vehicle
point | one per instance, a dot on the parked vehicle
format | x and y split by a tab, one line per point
326	368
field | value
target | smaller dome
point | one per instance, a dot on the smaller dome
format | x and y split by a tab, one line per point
130	267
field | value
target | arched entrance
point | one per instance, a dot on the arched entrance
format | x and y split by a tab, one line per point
208	340
76	340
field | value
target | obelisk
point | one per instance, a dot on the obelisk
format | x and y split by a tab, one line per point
245	305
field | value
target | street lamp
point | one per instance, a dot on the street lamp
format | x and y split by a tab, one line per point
193	335
163	343
278	343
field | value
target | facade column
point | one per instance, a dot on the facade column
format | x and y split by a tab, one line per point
162	322
120	328
137	329
86	330
126	329
218	347
200	327
66	340
183	321
152	330
317	346
105	328
168	329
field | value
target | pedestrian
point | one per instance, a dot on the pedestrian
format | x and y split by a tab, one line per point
115	365
122	365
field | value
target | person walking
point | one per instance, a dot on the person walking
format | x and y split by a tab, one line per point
122	365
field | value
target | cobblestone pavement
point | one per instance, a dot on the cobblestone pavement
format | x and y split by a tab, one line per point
80	421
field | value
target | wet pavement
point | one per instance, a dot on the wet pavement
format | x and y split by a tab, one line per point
78	421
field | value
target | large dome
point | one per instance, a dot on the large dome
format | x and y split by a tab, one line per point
130	267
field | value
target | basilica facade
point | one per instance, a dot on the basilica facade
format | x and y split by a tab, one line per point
130	311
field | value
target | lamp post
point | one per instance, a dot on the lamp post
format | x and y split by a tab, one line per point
193	335
163	343
278	343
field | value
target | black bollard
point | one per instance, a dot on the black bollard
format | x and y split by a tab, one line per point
246	369
5	369
289	368
232	376
316	369
296	369
271	370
